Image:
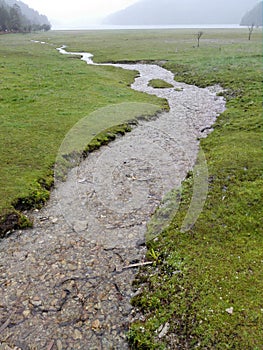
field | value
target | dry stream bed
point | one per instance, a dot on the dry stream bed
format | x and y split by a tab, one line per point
67	283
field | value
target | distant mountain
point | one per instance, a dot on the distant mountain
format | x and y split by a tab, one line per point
17	16
253	16
165	12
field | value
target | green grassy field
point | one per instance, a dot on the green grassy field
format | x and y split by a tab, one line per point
207	282
43	94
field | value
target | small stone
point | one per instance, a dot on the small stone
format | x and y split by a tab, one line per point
59	345
80	226
230	310
77	334
36	301
118	268
164	330
19	292
140	243
71	267
95	325
26	313
54	220
97	306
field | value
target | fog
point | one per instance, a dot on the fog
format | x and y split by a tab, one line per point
84	13
179	12
78	13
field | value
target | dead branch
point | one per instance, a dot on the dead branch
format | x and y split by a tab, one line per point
137	265
50	345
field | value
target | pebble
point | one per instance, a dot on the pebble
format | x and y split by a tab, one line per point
36	302
77	334
26	313
80	226
59	345
230	310
96	325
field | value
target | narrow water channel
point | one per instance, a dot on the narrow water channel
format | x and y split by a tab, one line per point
67	283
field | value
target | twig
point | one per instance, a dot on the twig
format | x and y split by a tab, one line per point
50	345
206	128
118	289
75	278
6	324
138	265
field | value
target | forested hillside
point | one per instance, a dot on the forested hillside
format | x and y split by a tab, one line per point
15	16
253	16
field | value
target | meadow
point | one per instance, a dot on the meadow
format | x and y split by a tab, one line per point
43	94
205	283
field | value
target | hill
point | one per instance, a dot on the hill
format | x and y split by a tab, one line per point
19	17
165	12
254	16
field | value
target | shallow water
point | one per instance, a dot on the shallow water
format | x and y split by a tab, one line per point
127	180
67	283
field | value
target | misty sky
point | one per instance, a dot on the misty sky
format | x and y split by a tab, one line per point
76	13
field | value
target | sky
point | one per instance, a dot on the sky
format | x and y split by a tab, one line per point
72	14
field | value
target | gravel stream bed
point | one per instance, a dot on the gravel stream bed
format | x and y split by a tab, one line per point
67	283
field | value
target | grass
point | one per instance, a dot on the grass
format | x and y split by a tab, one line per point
205	283
43	94
159	84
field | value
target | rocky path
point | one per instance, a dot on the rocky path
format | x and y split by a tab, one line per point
67	283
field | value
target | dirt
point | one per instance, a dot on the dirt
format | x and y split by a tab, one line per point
67	283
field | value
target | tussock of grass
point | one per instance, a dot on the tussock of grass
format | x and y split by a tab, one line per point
159	84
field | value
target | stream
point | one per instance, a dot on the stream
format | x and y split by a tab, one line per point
67	283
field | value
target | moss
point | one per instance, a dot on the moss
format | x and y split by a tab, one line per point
106	136
36	199
13	220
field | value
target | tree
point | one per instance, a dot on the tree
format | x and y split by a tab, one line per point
46	27
15	18
198	35
250	30
12	18
253	16
4	18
